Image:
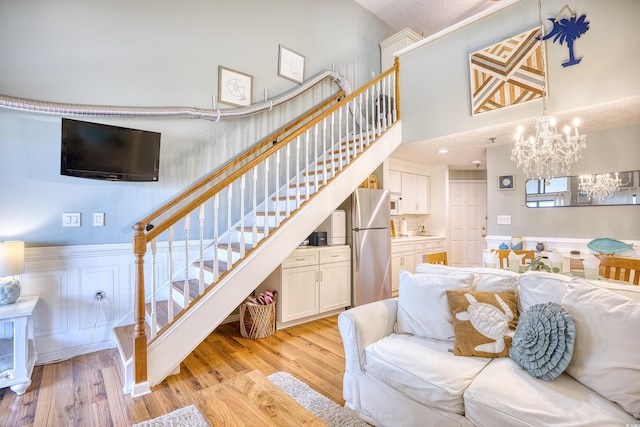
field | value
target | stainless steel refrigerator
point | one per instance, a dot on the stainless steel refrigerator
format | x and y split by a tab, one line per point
371	245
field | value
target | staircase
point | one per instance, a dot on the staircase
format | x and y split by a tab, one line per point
233	228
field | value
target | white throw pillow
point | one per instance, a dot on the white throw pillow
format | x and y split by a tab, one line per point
540	287
606	354
423	307
485	280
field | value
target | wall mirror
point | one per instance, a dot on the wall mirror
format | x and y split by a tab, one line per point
565	191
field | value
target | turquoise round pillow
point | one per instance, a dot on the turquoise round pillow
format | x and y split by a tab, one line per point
543	341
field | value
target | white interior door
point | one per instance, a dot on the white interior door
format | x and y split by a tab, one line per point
467	222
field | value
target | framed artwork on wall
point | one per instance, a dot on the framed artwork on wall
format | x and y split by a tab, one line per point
506	182
234	87
507	73
290	65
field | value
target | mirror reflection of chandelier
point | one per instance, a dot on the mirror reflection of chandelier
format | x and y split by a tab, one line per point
549	153
599	187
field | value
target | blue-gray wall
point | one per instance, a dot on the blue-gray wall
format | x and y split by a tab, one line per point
153	53
435	101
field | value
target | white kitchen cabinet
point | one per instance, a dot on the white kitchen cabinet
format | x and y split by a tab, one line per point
395	181
312	282
415	193
402	258
406	253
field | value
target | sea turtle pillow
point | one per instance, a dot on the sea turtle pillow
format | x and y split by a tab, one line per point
483	322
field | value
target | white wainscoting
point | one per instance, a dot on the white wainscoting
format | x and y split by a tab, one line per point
68	320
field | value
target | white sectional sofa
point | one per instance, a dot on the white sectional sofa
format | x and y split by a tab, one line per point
401	369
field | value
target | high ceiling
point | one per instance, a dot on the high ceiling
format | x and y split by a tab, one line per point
427	17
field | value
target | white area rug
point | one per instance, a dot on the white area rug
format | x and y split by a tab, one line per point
189	416
321	406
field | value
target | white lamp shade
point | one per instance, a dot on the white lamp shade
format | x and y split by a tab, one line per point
11	258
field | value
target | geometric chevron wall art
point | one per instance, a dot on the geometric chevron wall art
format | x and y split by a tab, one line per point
507	73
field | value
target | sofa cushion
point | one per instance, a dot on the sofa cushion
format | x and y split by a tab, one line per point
505	395
422	303
423	369
540	287
543	342
485	279
607	348
483	322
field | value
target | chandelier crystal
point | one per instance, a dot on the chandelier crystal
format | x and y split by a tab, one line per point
599	187
549	153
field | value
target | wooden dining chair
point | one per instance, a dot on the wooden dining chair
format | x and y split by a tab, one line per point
618	268
435	258
503	256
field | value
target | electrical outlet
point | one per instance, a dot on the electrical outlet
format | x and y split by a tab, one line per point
100	295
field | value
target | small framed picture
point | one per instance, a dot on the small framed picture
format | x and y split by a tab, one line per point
291	65
506	182
234	87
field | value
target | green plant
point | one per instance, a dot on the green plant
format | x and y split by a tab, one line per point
539	265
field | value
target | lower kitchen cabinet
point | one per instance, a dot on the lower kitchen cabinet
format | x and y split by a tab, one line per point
407	253
312	282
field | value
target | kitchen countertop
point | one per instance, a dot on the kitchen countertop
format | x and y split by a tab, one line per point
414	238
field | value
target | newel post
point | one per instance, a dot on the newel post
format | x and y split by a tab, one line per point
139	335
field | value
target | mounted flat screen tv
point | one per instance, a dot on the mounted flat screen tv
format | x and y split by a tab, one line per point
98	151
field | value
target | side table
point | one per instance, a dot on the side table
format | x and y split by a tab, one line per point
20	353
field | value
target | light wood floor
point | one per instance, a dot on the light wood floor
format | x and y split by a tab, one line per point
87	390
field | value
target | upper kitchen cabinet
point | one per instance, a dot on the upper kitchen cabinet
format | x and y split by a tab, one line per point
395	181
415	193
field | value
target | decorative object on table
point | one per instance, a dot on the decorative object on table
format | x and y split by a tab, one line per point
599	187
234	88
606	246
568	30
290	65
539	247
11	264
543	342
507	73
258	315
538	265
548	154
506	182
503	246
591	266
517	243
557	261
490	259
515	260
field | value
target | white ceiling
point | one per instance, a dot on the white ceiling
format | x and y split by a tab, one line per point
427	17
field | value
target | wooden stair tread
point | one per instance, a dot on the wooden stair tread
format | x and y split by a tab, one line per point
222	266
124	339
162	311
235	246
194	287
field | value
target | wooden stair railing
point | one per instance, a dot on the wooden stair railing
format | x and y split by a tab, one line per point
284	171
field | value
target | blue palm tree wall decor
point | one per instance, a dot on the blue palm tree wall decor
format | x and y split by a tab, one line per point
568	30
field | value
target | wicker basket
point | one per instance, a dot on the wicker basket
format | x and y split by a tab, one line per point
258	321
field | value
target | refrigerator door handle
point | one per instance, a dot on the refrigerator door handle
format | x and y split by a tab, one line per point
356	245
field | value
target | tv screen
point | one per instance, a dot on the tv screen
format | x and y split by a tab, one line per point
97	151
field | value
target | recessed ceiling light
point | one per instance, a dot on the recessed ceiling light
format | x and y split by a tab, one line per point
476	162
443	151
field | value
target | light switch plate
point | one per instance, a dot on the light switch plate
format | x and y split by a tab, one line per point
504	219
71	219
98	219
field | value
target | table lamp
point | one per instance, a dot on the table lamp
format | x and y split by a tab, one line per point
11	263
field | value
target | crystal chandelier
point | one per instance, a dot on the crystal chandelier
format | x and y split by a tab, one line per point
548	154
599	187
